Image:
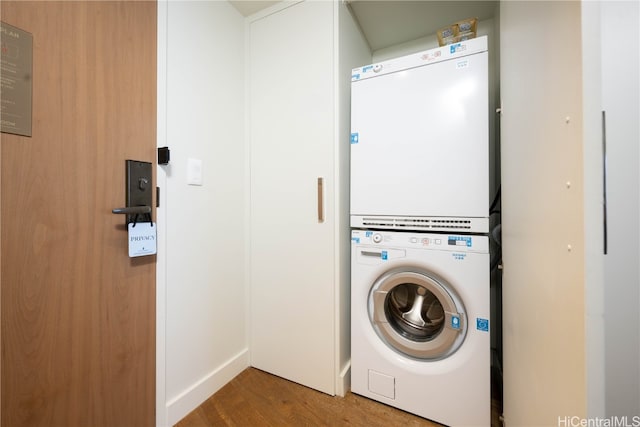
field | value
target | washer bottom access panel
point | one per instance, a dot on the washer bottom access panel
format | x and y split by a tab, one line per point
420	324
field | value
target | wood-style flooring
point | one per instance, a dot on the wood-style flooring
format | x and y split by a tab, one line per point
256	398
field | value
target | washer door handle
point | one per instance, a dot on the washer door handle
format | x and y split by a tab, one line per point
454	321
379	298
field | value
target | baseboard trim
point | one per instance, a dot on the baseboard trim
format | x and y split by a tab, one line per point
344	381
181	405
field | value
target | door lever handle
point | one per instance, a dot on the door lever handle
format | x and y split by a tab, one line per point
133	210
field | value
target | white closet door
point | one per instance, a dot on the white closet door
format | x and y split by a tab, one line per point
542	220
291	255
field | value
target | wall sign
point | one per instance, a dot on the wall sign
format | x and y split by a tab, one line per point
16	62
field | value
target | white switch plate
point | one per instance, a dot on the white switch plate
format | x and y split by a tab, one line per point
194	172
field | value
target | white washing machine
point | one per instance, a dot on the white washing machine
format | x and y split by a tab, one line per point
420	324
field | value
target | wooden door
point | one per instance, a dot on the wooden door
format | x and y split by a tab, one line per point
292	145
78	315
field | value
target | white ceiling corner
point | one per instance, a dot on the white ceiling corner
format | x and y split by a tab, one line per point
387	23
390	22
249	7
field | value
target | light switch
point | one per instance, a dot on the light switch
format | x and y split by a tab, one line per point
194	172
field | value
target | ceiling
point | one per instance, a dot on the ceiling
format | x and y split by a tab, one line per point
386	23
249	7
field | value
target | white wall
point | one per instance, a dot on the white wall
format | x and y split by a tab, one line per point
612	281
542	205
620	53
201	282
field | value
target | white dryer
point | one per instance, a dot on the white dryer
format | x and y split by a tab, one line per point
420	324
420	141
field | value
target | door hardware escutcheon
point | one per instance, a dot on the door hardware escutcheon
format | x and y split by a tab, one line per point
139	194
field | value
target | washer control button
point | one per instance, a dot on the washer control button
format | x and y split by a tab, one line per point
413	240
377	238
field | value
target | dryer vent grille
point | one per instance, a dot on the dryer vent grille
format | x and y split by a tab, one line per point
469	225
427	224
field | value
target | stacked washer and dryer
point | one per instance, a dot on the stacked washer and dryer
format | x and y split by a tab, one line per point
420	289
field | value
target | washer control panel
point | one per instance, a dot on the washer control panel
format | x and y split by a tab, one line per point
447	242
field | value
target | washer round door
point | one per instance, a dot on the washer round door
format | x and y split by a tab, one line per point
417	313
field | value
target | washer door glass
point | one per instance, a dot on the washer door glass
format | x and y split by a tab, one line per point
416	313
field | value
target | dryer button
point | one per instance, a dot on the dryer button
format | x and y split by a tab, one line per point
377	238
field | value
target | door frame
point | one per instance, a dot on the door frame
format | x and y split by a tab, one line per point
162	414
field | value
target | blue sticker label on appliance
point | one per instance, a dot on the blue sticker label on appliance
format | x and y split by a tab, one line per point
385	255
482	324
458	47
455	322
355	239
355	138
460	241
368	233
355	76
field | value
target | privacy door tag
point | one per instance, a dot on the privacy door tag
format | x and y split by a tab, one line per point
142	239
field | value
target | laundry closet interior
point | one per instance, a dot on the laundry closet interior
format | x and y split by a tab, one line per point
308	299
276	293
300	65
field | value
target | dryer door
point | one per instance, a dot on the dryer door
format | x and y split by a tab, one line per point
416	313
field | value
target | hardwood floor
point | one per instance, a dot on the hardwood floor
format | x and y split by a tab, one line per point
256	398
